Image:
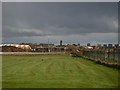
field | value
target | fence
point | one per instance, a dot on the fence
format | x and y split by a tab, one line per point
107	56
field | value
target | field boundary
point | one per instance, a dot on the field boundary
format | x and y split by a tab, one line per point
114	65
31	53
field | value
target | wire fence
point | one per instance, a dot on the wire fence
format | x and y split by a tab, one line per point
107	56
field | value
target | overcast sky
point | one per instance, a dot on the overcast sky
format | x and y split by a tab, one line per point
71	22
60	0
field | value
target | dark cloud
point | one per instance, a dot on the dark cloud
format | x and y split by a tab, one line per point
25	19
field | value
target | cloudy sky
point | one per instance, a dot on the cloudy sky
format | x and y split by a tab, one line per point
36	22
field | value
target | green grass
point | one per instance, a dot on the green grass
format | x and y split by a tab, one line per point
56	71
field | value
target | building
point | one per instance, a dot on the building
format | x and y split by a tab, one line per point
105	45
14	48
110	46
88	44
49	49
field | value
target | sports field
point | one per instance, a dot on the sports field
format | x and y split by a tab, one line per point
55	71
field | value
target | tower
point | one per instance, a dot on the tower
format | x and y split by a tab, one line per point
60	42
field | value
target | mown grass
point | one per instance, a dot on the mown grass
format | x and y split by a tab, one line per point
55	71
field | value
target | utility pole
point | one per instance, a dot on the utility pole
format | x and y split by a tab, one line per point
48	45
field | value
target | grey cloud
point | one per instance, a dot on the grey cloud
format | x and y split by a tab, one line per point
42	19
93	38
60	0
22	32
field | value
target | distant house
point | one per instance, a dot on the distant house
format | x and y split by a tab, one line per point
14	48
23	46
49	48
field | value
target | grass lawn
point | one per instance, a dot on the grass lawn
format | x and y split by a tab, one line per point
55	71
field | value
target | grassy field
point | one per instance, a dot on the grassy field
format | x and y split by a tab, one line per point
56	71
